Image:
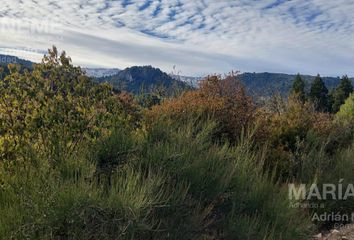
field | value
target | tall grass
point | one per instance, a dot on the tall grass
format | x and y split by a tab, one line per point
170	182
315	165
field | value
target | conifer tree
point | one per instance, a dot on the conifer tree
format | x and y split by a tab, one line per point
331	99
319	94
341	93
299	88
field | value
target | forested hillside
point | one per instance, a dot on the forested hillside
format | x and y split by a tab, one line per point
267	84
5	60
147	79
144	79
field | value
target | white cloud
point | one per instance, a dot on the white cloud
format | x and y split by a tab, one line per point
198	37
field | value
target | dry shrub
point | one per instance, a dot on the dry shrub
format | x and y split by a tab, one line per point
223	100
294	131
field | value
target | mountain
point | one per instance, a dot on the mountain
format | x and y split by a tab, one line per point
266	84
7	59
135	79
101	72
139	79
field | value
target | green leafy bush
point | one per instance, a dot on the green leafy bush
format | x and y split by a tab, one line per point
179	186
54	107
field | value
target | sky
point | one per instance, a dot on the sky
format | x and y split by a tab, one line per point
188	37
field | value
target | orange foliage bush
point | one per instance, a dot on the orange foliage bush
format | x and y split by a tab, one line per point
223	100
289	128
323	124
295	129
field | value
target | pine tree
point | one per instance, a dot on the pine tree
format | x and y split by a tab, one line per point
341	93
331	100
299	88
319	94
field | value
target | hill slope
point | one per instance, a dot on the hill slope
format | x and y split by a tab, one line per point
265	84
143	79
6	59
146	78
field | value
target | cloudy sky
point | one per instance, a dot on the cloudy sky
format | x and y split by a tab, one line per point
196	36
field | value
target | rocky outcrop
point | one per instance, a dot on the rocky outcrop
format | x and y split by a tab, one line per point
344	233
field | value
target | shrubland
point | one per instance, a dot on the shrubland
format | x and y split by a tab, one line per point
81	161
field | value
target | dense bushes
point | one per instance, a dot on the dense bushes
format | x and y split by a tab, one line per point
79	161
289	127
223	100
296	129
336	169
171	182
346	112
302	144
68	204
56	105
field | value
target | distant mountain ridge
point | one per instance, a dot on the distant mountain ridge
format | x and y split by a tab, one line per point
266	84
139	79
7	59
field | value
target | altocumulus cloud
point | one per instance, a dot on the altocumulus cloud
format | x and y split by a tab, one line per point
199	37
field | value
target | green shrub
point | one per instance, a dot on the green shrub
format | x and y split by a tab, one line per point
228	181
316	166
44	204
179	186
346	111
340	168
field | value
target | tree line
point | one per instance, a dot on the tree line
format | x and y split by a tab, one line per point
323	99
